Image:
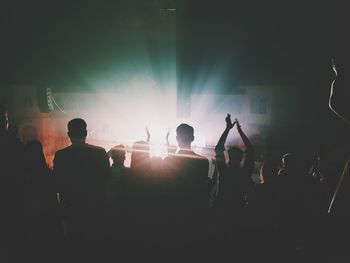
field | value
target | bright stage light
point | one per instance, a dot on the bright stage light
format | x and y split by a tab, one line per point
158	146
121	116
118	110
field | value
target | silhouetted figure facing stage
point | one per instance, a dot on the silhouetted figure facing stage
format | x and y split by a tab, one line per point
339	104
140	159
339	207
81	171
118	170
263	207
235	184
137	197
186	195
12	191
44	231
292	187
116	189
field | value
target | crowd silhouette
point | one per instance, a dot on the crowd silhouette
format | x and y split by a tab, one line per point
84	207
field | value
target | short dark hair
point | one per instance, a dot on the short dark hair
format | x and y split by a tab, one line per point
184	131
77	128
119	147
236	152
118	150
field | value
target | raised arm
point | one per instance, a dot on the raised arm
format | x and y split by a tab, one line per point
338	102
249	160
170	148
220	146
167	138
245	139
148	135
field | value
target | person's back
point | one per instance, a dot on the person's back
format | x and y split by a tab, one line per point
11	154
235	184
292	184
189	177
12	188
80	171
187	191
234	179
291	212
44	231
40	185
118	170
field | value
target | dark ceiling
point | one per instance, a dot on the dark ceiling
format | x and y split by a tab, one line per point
285	43
264	42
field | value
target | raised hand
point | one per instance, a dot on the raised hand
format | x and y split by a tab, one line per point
167	136
229	124
148	134
238	125
334	67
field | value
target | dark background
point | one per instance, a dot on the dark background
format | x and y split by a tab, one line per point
283	43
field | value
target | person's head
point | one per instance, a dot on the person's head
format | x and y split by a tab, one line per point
118	154
140	156
184	135
4	118
235	155
289	161
77	130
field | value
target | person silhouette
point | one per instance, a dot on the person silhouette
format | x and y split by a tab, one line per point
81	170
44	231
187	193
12	189
338	208
292	184
235	184
339	105
116	189
114	183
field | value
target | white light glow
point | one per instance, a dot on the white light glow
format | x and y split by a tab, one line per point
121	116
158	145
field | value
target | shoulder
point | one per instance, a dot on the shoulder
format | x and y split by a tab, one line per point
62	155
199	161
62	151
96	148
201	158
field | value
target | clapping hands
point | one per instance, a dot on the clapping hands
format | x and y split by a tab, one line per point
229	124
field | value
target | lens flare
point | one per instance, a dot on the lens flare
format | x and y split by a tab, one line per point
158	146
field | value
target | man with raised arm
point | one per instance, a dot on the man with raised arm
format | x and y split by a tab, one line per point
235	183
